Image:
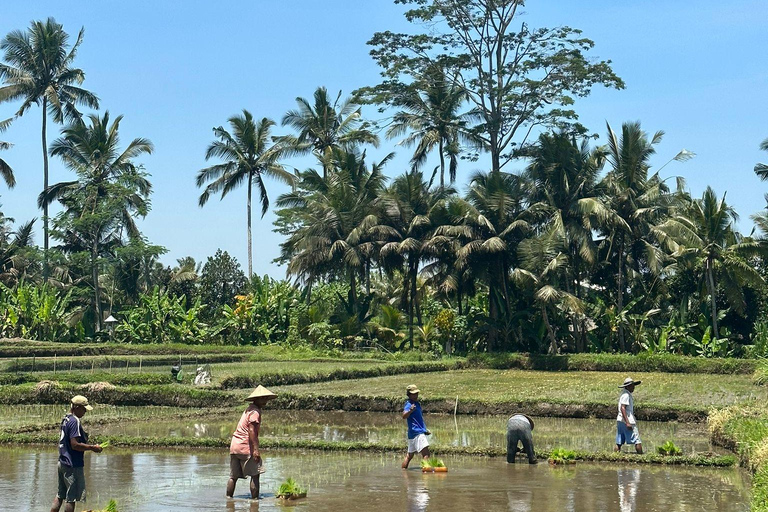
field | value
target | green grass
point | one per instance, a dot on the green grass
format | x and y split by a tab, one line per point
745	430
666	390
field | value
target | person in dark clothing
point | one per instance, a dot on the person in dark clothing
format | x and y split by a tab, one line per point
73	443
519	429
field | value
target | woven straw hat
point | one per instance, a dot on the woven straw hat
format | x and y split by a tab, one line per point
261	392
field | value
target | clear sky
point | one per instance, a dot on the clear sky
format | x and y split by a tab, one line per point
696	69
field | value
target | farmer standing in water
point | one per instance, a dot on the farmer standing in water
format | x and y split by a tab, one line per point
73	443
417	431
626	425
244	455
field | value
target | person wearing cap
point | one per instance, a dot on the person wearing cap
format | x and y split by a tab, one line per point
244	455
417	430
520	430
626	425
73	443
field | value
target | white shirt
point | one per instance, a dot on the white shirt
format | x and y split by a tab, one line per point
626	399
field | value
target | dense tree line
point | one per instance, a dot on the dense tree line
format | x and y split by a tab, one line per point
558	244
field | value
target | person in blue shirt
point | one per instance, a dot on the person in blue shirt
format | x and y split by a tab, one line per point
73	443
417	430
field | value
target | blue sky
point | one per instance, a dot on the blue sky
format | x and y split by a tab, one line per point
697	70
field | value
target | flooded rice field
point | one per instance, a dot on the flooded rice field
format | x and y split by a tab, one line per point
369	427
155	481
383	428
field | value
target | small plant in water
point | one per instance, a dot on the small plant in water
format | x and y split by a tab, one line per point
562	456
669	448
291	490
432	462
111	507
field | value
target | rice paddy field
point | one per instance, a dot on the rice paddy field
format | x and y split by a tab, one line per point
673	390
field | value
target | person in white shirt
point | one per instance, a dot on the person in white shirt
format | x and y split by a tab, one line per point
626	425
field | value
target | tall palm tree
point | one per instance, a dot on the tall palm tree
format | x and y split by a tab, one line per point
638	202
565	197
707	238
409	207
335	217
762	169
431	113
326	126
490	234
6	173
38	70
248	156
111	190
13	261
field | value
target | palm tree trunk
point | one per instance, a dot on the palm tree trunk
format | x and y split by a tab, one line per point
620	293
46	269
412	301
552	339
250	255
352	287
712	296
368	276
442	165
95	277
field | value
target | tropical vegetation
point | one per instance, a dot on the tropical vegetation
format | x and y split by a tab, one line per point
557	242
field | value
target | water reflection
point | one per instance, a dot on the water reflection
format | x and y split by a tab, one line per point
416	490
176	481
629	481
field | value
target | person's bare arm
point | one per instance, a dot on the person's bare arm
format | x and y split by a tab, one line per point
624	415
82	447
253	440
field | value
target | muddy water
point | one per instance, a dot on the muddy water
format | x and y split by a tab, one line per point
183	481
470	431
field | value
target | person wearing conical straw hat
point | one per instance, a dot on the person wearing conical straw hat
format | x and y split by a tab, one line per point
244	454
626	425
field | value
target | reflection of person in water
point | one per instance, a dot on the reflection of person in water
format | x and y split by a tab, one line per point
418	496
629	480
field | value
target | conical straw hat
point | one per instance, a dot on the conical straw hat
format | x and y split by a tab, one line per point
261	392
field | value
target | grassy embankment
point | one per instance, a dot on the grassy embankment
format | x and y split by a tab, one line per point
744	429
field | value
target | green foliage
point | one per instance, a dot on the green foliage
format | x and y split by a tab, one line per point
290	489
668	448
261	316
160	318
562	456
220	281
38	312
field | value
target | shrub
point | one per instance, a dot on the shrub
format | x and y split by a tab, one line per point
290	489
562	456
669	448
39	312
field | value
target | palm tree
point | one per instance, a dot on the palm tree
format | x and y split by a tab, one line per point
706	236
565	196
498	222
408	207
13	260
110	192
638	202
325	127
6	173
762	169
38	70
430	113
544	267
248	156
335	217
